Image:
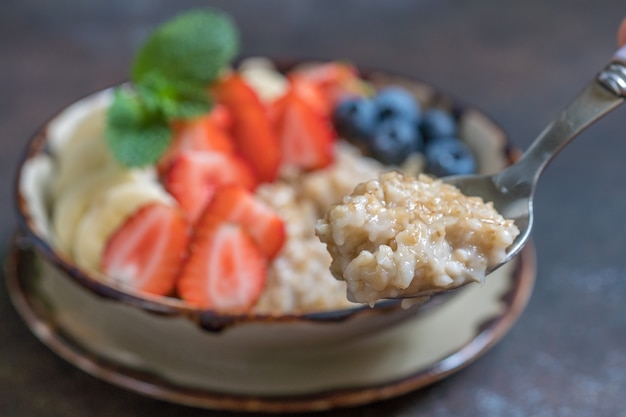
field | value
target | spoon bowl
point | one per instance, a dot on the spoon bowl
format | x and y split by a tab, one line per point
512	190
515	204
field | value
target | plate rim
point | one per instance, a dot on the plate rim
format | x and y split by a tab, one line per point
488	334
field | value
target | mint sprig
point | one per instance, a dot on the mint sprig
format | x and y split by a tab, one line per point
193	47
170	75
135	135
176	100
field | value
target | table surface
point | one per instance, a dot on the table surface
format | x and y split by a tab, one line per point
520	62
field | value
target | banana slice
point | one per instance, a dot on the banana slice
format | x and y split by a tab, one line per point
76	140
81	157
84	119
107	214
261	75
71	205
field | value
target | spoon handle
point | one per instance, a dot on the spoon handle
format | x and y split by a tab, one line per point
603	94
620	55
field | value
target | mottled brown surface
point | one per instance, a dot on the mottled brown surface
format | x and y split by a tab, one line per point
518	61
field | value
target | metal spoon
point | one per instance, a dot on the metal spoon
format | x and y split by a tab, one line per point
512	189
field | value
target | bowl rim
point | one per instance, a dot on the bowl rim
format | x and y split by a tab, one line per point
165	305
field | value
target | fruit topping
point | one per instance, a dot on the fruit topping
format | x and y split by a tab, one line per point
110	208
147	250
221	117
71	205
305	133
252	131
309	92
225	270
194	176
261	75
234	204
390	127
396	102
199	134
336	80
395	139
387	124
436	124
355	118
449	156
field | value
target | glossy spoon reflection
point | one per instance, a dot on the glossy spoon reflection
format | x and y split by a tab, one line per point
512	189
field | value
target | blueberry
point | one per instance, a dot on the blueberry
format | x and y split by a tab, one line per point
394	140
355	118
396	102
449	156
436	124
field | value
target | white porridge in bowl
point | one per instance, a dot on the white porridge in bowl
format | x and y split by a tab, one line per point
398	236
300	278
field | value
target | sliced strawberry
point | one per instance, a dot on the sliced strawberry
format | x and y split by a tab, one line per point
225	271
147	250
221	117
198	134
251	127
237	205
306	136
337	80
193	177
310	92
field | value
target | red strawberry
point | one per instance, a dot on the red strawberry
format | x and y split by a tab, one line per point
336	80
310	92
147	250
220	116
306	135
251	127
198	134
235	204
193	177
225	271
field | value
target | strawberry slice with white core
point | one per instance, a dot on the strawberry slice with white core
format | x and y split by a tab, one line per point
221	117
225	271
306	136
311	93
237	205
199	134
147	250
336	80
194	176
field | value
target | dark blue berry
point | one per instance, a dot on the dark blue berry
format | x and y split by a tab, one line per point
396	102
436	124
449	156
394	140
355	118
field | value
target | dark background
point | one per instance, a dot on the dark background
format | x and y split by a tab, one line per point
519	61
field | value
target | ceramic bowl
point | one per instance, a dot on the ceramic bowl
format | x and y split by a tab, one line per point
167	337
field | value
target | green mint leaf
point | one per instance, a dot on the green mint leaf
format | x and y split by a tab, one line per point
173	100
193	47
191	102
188	109
170	74
136	135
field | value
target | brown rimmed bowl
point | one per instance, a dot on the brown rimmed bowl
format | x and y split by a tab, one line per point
165	348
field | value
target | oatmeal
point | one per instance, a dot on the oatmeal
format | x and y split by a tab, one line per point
395	236
299	279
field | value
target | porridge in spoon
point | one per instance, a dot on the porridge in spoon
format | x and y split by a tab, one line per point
396	236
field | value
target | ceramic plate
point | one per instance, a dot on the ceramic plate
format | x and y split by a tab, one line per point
409	356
